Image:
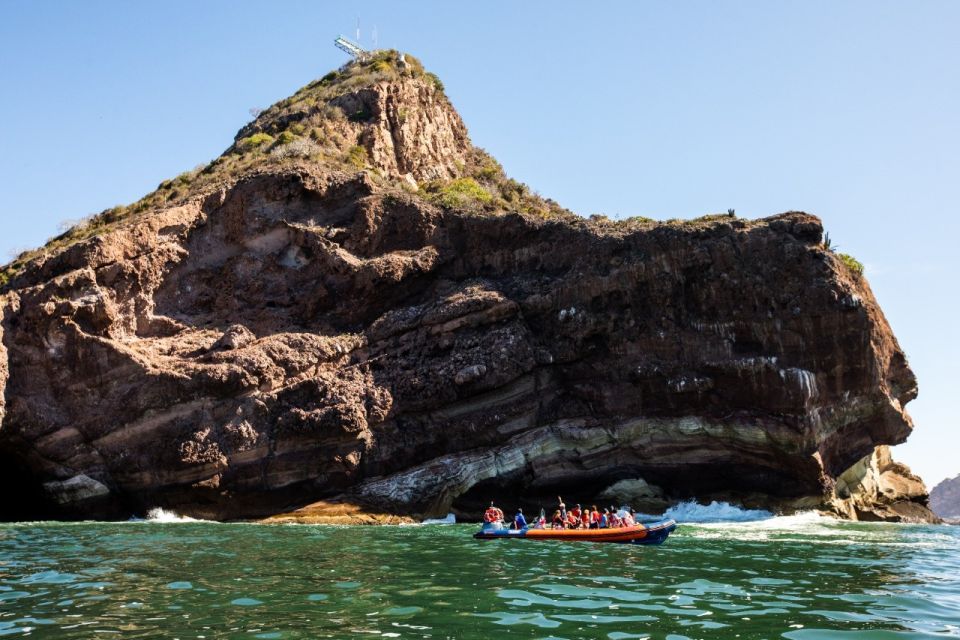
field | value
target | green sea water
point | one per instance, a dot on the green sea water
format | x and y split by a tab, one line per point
800	577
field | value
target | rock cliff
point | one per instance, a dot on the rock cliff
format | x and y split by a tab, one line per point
354	305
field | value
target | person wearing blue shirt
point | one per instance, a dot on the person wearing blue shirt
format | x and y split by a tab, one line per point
519	522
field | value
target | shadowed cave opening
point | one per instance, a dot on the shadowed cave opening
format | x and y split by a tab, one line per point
745	486
509	493
23	497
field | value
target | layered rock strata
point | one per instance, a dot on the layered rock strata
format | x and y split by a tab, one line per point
302	333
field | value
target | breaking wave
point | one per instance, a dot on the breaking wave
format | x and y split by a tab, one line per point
158	514
449	519
691	511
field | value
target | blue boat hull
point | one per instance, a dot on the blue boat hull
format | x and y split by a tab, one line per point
657	532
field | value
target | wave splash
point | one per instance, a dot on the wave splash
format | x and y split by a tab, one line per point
158	514
691	511
449	519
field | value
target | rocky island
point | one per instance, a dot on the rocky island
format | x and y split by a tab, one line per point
355	313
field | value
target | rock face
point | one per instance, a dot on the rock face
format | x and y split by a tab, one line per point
408	128
877	488
302	333
945	499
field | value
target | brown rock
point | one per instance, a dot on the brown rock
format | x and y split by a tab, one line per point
409	129
877	488
234	337
303	334
336	512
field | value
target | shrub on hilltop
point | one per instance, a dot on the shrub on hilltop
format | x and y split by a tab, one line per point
852	263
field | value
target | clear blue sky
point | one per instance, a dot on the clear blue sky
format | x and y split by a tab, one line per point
849	110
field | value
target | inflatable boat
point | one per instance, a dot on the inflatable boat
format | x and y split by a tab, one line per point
652	533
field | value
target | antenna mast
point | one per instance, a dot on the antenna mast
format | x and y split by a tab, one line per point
352	49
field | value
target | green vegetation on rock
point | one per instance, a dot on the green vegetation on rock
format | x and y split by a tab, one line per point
506	194
852	263
357	156
254	141
437	83
459	193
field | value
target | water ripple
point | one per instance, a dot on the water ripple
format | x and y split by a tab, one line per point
802	579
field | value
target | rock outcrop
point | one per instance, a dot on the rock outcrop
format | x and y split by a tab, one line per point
945	499
301	333
877	488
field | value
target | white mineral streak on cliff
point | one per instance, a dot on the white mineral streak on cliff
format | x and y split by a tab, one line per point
754	362
806	380
723	329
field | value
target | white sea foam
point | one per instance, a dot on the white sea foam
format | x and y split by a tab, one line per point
721	520
158	514
691	511
449	519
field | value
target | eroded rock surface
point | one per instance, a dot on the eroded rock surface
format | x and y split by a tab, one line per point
305	334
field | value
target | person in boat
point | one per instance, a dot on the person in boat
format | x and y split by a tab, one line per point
541	521
493	517
571	522
594	517
605	519
519	522
629	518
557	522
615	520
575	512
585	519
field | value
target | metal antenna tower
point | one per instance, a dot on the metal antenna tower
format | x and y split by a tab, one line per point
374	36
351	48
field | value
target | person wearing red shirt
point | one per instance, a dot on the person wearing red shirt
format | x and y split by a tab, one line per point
557	522
594	518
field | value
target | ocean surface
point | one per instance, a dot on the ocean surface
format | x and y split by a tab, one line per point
733	574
